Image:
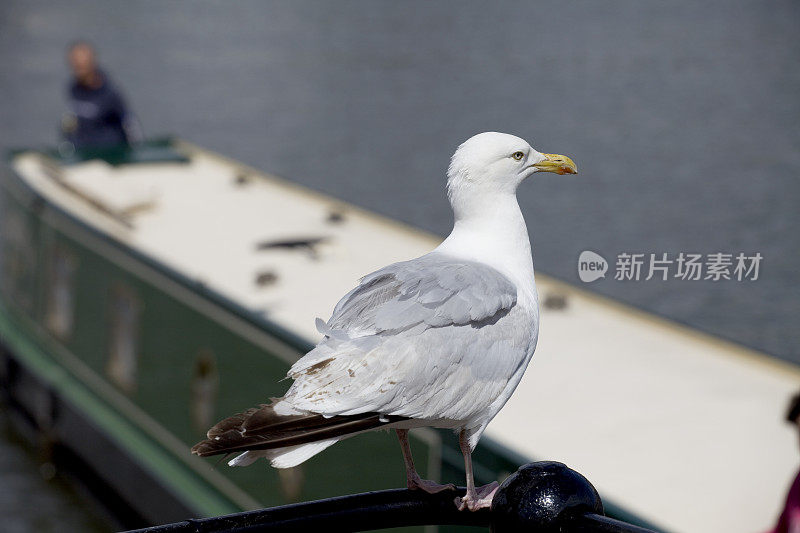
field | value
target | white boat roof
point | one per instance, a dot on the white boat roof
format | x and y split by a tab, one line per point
677	426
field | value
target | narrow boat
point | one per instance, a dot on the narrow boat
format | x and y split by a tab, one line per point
147	292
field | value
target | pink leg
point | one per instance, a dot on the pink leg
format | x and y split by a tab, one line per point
478	498
412	478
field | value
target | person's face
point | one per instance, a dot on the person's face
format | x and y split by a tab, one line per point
82	62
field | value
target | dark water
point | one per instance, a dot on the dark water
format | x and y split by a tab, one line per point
35	497
683	118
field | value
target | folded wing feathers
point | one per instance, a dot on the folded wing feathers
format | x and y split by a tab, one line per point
429	292
432	290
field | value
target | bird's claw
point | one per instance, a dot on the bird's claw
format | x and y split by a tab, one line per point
481	498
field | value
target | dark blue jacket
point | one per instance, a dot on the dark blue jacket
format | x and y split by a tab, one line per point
100	114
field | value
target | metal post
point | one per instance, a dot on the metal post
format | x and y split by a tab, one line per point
543	497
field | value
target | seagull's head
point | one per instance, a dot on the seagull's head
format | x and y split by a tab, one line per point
499	162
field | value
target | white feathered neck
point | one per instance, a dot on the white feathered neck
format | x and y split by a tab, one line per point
489	228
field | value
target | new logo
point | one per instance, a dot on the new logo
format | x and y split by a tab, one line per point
591	266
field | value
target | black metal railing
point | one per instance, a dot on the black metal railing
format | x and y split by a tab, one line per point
542	497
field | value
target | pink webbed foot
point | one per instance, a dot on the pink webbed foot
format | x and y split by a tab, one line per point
413	481
481	498
431	487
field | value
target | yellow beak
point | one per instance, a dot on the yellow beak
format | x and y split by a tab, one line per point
560	164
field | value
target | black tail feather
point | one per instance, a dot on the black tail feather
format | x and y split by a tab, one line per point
261	428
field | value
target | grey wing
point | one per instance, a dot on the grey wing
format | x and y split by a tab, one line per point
411	338
432	291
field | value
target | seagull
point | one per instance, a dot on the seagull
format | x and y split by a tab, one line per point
437	341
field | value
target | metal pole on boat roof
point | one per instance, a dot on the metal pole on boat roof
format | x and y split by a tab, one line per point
540	497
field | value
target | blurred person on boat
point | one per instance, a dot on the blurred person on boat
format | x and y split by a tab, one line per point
789	520
98	117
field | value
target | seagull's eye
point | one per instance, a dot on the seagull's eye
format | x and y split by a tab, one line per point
518	156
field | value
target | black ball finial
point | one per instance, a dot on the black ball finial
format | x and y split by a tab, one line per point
540	497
